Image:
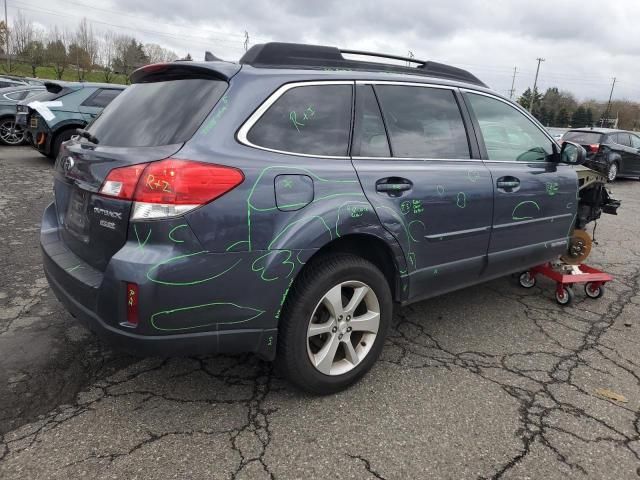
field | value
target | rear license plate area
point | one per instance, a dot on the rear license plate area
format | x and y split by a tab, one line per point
77	218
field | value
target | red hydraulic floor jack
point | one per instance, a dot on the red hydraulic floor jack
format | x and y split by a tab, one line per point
565	276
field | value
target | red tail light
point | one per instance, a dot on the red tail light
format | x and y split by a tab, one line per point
170	187
594	147
132	305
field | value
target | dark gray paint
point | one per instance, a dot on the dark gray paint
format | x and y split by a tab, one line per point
227	266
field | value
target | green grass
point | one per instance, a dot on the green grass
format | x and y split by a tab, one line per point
70	74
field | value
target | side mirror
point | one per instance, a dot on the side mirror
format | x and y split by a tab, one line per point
572	154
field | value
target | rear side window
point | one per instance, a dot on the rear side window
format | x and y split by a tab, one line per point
635	141
157	113
423	122
369	136
314	120
101	98
623	139
584	138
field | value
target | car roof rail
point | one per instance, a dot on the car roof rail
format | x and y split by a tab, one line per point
297	55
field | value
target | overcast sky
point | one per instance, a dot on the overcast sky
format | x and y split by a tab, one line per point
585	42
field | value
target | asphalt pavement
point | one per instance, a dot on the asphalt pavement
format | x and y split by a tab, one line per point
493	381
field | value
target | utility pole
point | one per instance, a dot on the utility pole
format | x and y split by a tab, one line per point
605	115
535	84
513	82
6	37
246	40
411	55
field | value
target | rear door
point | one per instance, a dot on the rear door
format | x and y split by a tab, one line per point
629	154
635	153
534	198
415	163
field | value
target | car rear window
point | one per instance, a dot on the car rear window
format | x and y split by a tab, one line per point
157	113
583	138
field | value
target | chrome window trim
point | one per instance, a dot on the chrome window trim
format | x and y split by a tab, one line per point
241	136
406	84
420	159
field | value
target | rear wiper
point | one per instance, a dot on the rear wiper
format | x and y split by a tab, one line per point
85	134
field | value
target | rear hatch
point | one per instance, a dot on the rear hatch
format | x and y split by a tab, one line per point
149	121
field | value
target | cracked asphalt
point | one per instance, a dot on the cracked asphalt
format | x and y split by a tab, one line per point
492	381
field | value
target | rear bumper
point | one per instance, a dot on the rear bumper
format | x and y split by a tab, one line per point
201	343
98	300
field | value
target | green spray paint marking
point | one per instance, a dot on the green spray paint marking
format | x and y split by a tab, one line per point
287	183
417	207
552	188
315	177
73	269
360	207
298	258
234	244
181	284
293	116
410	254
262	268
283	298
205	305
440	190
409	229
521	204
473	175
270	246
221	107
173	230
405	207
461	200
141	244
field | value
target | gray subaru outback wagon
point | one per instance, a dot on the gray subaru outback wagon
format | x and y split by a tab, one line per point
282	205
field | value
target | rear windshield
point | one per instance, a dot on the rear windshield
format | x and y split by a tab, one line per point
158	113
583	138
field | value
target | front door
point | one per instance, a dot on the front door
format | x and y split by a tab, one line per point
631	156
415	165
534	197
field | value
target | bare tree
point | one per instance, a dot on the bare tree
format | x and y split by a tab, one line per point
87	48
106	55
158	54
35	52
22	35
57	51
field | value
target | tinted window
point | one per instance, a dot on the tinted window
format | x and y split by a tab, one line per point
635	141
508	134
158	113
623	139
101	98
423	122
583	138
369	136
6	84
315	120
17	95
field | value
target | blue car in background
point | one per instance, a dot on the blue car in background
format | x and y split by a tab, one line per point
10	133
53	118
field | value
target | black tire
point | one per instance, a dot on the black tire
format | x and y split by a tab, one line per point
593	292
308	290
527	280
59	139
612	171
566	298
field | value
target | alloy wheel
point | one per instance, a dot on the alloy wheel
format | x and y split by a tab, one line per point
343	328
10	133
613	172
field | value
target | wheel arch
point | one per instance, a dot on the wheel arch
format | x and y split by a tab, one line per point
60	129
371	248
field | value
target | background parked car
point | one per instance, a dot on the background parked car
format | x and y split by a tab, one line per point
613	152
10	133
64	108
21	80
